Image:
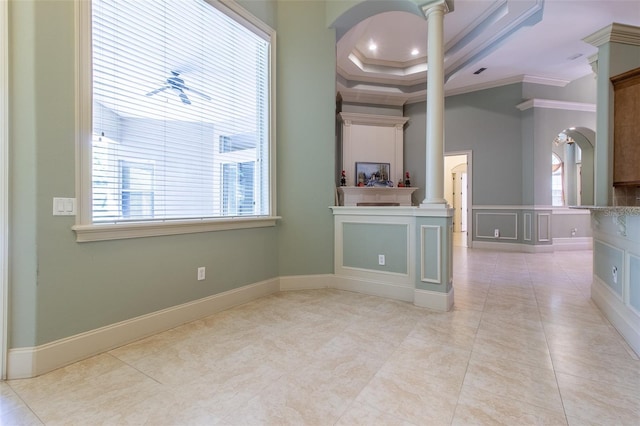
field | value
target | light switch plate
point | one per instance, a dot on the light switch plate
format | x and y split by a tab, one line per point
64	206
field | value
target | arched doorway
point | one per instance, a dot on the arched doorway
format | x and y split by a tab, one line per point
573	148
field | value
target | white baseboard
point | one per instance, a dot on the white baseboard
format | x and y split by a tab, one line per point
559	244
515	247
623	319
34	361
575	243
433	299
306	282
374	288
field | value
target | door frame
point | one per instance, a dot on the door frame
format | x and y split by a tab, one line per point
4	184
469	155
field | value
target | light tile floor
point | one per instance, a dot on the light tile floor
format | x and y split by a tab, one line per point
523	345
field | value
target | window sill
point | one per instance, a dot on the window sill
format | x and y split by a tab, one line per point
104	232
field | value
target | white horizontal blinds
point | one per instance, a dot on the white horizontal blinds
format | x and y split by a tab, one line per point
180	113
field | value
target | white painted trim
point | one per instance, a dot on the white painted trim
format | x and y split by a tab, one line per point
34	361
392	211
514	207
514	247
527	226
306	282
435	300
570	211
547	237
617	33
553	104
572	243
423	277
4	185
405	279
546	81
628	283
500	83
372	119
620	316
373	288
87	233
84	227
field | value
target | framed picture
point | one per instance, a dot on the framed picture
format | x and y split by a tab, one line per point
371	172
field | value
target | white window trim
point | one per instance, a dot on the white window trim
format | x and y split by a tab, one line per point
84	228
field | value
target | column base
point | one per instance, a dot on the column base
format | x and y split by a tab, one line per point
435	300
436	203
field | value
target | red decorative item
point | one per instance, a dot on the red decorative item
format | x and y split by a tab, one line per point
343	179
407	180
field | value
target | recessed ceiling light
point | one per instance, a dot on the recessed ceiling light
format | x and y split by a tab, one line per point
414	52
373	46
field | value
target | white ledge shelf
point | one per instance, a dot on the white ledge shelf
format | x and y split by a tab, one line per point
351	196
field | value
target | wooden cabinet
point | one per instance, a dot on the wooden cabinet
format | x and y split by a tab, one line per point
626	128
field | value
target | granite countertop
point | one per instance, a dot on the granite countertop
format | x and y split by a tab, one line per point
612	210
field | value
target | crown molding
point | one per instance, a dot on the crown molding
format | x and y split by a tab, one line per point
406	80
616	33
556	82
375	98
368	61
553	104
505	82
378	120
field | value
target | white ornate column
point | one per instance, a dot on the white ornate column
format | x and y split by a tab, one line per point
434	182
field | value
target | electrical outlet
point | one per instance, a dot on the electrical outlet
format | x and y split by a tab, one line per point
201	273
574	231
381	259
496	233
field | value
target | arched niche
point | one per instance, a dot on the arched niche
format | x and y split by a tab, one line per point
343	15
584	180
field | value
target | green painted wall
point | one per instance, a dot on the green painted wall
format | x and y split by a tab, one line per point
428	253
486	122
563	224
605	258
306	138
613	59
580	90
58	287
364	242
547	124
23	175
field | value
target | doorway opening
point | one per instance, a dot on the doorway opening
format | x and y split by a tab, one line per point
457	190
4	185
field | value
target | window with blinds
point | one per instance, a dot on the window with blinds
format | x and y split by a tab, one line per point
180	112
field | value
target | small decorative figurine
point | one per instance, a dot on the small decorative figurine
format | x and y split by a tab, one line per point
407	180
343	179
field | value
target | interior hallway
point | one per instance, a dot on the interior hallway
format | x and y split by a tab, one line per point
523	345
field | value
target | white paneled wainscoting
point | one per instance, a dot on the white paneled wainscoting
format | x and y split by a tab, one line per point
532	229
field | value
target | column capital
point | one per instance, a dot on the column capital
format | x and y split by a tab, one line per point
437	5
593	61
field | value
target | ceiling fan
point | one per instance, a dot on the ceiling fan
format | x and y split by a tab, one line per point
176	84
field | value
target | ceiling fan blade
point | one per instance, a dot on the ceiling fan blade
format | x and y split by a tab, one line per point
185	99
199	93
160	89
